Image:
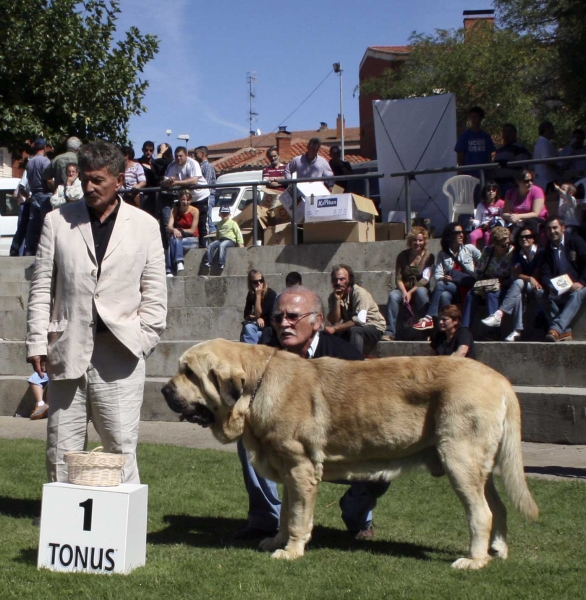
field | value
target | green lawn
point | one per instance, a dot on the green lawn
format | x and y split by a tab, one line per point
197	500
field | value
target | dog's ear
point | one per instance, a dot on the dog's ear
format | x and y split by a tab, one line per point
229	383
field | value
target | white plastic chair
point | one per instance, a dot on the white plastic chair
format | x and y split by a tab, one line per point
460	192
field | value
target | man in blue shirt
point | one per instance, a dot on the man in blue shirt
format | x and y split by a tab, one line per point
474	146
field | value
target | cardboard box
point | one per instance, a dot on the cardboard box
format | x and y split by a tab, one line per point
278	215
390	231
247	237
304	190
279	235
339	207
244	219
338	231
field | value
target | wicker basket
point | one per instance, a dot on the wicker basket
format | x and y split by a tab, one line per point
95	468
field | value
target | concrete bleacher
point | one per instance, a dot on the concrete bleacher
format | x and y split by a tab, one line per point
549	378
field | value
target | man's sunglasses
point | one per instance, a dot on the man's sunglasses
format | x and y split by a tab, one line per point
293	318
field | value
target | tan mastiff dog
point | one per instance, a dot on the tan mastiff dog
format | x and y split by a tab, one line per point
304	421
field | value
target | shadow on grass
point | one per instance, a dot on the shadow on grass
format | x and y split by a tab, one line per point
20	508
27	556
569	472
214	532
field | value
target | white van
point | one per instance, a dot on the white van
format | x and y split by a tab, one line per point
8	213
237	197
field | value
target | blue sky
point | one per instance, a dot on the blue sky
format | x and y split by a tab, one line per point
198	79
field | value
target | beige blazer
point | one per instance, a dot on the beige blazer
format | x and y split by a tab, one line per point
66	295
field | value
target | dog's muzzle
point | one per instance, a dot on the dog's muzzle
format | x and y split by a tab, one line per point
196	413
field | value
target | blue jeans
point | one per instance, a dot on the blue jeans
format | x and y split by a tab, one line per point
251	333
419	302
24	211
176	249
223	245
512	303
443	294
211	202
40	206
493	299
264	505
560	311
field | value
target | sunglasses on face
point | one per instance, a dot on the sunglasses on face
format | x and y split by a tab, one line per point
526	237
527	181
293	318
458	232
255	281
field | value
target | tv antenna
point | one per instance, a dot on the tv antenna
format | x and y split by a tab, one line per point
252	80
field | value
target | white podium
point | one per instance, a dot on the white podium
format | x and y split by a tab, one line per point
93	529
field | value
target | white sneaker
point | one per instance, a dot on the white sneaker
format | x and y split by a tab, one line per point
492	320
513	336
180	267
170	275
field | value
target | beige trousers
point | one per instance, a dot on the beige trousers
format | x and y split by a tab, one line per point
110	393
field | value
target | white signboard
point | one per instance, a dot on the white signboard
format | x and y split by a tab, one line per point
339	207
413	134
93	529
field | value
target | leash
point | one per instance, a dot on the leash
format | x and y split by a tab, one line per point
259	382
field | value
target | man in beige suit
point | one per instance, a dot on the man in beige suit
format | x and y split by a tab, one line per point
97	306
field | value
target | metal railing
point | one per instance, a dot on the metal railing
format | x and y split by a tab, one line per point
514	164
292	183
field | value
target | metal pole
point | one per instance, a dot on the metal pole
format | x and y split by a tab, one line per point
341	114
254	215
294	214
407	204
367	187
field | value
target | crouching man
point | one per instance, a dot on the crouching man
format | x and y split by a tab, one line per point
298	322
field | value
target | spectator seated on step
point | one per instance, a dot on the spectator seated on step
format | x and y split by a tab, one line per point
413	272
182	232
454	273
526	281
228	235
258	308
452	339
493	275
563	255
352	312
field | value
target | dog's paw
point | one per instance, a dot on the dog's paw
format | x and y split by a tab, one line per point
285	555
272	544
470	563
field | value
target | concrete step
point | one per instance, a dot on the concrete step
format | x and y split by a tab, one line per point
268	259
525	364
550	415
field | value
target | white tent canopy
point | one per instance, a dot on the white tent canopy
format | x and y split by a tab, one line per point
413	134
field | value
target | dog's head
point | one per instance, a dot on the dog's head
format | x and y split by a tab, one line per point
210	388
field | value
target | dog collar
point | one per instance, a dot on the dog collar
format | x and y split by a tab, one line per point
258	383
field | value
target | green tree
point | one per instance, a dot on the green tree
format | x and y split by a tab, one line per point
62	73
498	69
561	24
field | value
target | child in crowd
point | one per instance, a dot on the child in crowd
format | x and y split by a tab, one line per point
567	206
487	215
228	234
37	386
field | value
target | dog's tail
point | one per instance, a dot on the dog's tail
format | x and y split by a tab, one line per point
510	458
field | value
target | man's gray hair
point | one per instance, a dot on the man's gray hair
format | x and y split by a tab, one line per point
316	304
101	155
73	144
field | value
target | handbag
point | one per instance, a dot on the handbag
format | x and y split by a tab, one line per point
483	286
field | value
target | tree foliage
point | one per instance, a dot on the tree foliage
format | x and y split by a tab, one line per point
561	24
62	73
510	73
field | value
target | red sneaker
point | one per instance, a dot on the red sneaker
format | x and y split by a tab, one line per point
425	323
